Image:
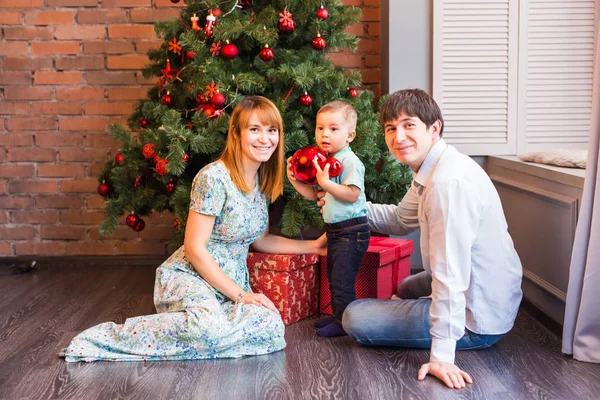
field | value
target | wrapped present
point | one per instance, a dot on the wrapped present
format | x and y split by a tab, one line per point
291	281
385	265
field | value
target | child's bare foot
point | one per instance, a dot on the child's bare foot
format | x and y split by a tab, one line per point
394	297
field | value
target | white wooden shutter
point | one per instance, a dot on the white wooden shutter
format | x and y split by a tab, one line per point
475	49
555	73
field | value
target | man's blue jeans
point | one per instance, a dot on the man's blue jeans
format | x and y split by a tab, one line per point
403	323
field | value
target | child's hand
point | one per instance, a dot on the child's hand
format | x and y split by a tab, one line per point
322	174
289	172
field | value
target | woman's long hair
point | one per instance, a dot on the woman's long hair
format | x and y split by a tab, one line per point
270	172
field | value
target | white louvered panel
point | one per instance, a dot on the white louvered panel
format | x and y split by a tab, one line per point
474	57
556	66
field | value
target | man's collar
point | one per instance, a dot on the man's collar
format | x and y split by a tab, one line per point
431	160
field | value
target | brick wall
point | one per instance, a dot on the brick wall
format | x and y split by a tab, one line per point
68	69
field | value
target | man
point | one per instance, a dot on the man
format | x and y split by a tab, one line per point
469	293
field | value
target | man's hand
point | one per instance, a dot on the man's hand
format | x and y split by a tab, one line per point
320	194
448	373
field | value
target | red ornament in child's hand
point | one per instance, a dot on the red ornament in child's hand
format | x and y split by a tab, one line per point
303	168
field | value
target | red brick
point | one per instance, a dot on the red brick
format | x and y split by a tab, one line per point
141	248
25	93
372	75
373	60
140	80
55	139
72	3
45	186
126	93
347	60
108	47
373	28
60	171
16	154
370	14
13	48
14	107
22	3
144	46
88	248
169	3
16	202
63	232
85	155
34	217
71	202
56	108
369	46
82	63
10	18
14	78
98	16
152	15
95	169
118	120
6	248
108	108
160	232
27	32
39	249
18	232
122	232
16	171
127	62
80	32
14	139
55	47
357	29
13	63
126	3
95	202
3	189
110	78
79	186
31	124
81	124
352	2
100	140
57	78
81	93
119	31
375	3
82	217
49	18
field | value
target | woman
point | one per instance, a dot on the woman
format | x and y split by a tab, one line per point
205	305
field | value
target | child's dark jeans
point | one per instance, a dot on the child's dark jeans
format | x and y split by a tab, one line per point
347	243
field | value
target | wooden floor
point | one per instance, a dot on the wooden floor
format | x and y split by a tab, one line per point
41	310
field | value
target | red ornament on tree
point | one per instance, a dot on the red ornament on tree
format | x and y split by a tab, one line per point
139	226
318	43
217	100
266	54
149	150
170	186
195	25
201	99
208	110
103	189
174	1
119	159
166	99
244	3
306	100
229	51
186	158
132	220
190	55
143	123
138	181
210	21
216	12
353	92
156	159
176	223
161	167
286	22
322	13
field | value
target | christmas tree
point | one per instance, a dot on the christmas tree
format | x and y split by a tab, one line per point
217	52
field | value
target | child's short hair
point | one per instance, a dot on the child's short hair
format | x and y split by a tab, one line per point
349	113
413	103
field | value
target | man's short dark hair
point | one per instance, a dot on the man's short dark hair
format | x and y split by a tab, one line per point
413	103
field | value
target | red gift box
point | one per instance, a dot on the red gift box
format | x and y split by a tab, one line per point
385	265
289	280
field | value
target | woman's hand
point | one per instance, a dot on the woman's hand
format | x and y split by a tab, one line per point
321	245
258	299
289	172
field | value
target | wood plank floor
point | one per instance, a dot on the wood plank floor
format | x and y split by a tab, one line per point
40	311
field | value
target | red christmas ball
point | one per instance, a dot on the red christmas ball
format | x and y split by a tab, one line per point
200	98
166	99
176	223
143	122
322	13
353	92
318	43
103	189
139	226
149	150
174	1
218	100
266	54
303	168
132	220
306	100
208	110
287	26
245	3
161	167
119	159
216	12
190	55
186	158
170	186
229	51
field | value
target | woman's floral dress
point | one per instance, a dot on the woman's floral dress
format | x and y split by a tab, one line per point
194	320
